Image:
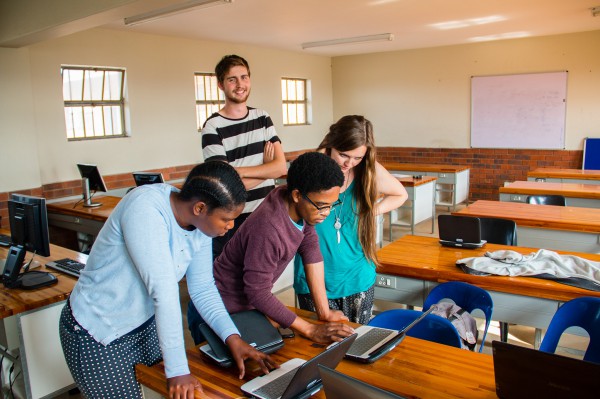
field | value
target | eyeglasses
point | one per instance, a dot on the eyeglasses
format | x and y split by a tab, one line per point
322	209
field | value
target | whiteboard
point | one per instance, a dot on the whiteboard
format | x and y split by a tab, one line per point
519	111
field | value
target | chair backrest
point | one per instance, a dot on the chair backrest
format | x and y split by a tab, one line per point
498	231
546	200
582	312
468	297
431	328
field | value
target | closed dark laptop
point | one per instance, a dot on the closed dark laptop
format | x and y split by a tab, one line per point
460	231
341	386
528	373
254	328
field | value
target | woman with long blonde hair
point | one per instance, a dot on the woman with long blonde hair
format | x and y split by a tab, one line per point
347	237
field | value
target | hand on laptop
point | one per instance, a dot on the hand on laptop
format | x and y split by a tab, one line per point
241	351
183	387
334	315
325	333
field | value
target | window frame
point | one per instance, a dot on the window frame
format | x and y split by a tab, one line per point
93	103
287	102
207	103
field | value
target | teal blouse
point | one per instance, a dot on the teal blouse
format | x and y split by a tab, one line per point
347	271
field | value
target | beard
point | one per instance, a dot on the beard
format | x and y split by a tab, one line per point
238	100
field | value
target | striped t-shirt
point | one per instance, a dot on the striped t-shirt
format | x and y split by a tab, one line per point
241	142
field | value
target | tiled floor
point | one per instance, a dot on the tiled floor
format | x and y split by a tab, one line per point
570	345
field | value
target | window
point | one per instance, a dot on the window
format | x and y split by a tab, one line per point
209	98
94	102
295	103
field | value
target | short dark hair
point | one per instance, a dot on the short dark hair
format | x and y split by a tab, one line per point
228	62
215	183
312	172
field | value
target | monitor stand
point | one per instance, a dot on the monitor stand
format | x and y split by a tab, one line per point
35	279
87	199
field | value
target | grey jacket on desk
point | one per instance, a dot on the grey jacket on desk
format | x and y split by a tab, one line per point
567	269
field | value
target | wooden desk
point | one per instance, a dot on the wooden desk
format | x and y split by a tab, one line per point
74	226
412	265
415	368
452	186
553	175
420	205
565	228
580	195
30	324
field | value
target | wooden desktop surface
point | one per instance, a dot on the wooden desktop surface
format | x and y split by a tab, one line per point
76	208
543	216
13	301
545	188
565	173
415	368
410	181
423	167
423	258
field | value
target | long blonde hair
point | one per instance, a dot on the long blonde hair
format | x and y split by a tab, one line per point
347	134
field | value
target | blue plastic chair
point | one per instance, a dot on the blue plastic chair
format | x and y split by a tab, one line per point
582	312
467	296
431	328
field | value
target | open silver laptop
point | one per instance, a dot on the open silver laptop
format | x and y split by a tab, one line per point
374	342
297	378
341	386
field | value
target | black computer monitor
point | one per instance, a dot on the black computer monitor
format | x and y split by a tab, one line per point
28	221
142	178
91	180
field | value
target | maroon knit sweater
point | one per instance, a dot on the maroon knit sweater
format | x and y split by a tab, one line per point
257	255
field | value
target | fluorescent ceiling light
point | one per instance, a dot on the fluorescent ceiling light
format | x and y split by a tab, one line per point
500	36
357	39
468	22
172	10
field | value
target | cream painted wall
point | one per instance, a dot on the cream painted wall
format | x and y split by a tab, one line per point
161	101
17	127
421	98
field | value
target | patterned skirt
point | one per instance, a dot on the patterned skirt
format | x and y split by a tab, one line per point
107	371
357	307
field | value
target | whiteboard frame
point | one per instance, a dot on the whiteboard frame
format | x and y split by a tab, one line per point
524	111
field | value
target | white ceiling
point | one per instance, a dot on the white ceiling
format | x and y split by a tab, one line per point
285	24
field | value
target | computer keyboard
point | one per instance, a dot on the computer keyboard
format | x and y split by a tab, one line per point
367	341
66	265
4	240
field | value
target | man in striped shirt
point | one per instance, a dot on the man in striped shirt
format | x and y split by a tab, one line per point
243	136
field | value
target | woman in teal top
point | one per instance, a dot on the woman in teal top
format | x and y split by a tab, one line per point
347	236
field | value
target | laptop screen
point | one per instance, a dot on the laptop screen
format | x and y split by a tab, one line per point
528	373
342	386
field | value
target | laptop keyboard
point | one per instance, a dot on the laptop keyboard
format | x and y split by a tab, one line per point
66	265
276	388
367	341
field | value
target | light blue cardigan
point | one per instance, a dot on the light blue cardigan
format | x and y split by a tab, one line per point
133	272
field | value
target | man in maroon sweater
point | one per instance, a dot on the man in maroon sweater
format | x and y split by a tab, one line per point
263	247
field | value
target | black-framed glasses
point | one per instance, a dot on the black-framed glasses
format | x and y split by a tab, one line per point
322	209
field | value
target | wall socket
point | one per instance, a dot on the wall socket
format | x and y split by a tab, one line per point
385	281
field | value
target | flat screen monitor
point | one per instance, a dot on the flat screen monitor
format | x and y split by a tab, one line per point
28	219
142	178
90	172
91	180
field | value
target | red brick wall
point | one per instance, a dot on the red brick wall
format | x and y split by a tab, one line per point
490	168
73	187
